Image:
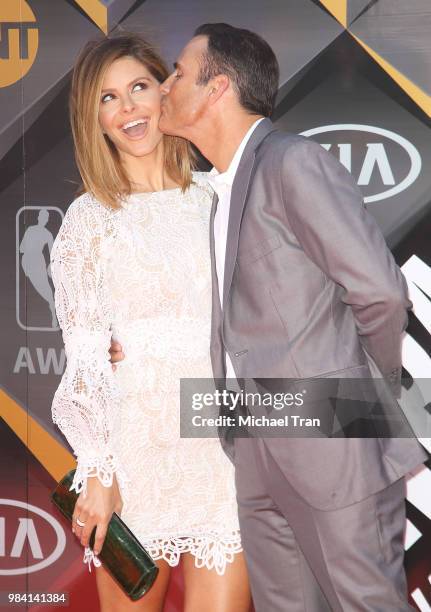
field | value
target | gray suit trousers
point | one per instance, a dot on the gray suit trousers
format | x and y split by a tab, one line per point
302	559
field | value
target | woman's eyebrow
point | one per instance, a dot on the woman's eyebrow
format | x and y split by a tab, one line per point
142	78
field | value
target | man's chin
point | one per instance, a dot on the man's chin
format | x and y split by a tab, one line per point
166	127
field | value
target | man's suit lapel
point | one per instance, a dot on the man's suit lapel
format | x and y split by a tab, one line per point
238	198
217	351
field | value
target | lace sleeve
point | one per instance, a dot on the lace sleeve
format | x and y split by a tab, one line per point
86	403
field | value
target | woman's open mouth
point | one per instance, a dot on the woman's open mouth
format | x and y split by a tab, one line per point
137	129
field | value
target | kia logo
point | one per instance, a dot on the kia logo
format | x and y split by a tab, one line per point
382	160
28	532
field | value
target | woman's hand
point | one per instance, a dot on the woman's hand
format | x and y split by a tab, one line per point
95	509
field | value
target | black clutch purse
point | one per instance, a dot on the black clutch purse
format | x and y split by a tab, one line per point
122	554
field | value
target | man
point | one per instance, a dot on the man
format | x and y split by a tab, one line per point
303	286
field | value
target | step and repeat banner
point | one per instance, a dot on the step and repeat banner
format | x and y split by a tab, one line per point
355	77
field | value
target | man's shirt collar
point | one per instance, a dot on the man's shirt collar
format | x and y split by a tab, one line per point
217	179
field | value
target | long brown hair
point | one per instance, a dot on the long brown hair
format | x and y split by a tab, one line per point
96	156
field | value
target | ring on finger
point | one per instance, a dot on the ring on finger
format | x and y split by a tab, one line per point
79	523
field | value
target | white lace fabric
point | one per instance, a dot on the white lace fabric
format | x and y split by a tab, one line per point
210	550
142	274
86	404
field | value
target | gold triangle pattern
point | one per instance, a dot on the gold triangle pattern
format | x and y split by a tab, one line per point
50	453
96	11
338	8
417	94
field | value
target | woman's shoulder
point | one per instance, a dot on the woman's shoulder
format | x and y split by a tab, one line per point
200	177
200	180
86	221
85	224
87	204
86	211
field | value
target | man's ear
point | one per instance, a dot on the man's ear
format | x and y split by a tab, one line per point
217	87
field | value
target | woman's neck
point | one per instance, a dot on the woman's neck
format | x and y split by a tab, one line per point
148	173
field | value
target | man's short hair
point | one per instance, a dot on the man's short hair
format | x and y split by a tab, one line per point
247	59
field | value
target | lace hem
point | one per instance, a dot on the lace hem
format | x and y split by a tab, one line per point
102	467
210	550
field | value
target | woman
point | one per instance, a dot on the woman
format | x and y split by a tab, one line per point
131	261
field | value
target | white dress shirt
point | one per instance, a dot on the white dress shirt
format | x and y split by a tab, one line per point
222	185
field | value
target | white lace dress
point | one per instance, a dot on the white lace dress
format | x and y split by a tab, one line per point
142	274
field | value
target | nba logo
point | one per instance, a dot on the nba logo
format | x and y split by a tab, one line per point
36	228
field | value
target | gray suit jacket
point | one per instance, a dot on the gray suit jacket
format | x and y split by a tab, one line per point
310	290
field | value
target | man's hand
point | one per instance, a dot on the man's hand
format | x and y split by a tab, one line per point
116	352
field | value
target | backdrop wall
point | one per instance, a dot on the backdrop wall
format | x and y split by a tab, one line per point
355	77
